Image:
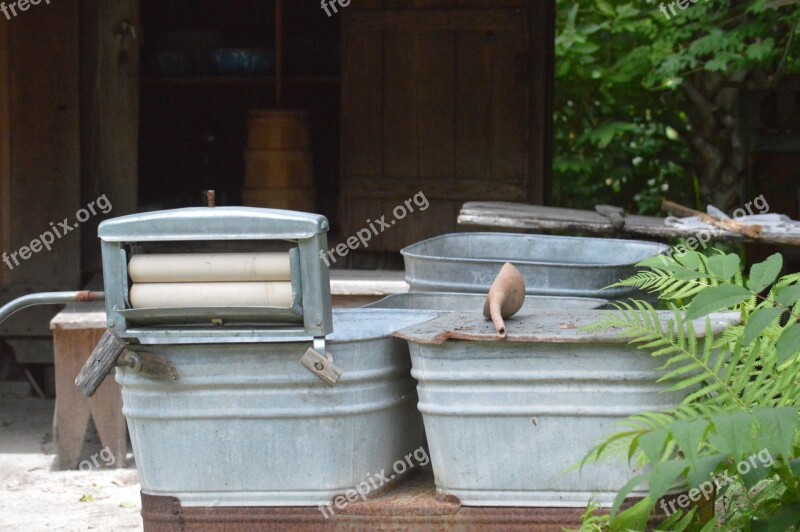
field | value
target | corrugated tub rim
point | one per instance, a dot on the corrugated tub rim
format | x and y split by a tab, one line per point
409	251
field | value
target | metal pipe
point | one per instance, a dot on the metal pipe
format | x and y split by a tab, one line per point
48	298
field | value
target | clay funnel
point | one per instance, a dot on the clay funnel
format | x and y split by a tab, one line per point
506	296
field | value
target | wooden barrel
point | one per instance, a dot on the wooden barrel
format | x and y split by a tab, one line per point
292	199
277	129
278	169
279	172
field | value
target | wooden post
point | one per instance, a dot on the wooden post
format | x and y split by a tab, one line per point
111	35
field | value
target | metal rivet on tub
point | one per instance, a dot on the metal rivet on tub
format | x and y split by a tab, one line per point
318	366
535	422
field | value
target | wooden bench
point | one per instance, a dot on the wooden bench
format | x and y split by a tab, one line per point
78	328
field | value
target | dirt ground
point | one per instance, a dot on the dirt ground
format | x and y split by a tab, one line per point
35	495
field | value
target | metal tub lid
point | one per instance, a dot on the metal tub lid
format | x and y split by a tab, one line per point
359	324
541	327
461	302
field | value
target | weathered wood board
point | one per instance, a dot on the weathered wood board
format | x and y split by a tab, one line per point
508	215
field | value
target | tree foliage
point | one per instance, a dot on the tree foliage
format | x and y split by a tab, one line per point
646	105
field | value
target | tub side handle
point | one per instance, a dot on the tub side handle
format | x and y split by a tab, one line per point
319	362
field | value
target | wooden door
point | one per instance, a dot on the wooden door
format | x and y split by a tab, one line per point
435	100
40	157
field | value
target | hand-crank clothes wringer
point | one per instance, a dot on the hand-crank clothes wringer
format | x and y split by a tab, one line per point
220	356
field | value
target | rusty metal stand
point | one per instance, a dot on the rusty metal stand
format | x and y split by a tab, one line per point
412	506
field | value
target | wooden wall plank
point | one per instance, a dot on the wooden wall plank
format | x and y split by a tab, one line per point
473	106
493	3
424	4
509	93
435	72
366	4
542	25
440	217
5	150
357	213
428	4
400	125
419	20
392	237
362	103
406	186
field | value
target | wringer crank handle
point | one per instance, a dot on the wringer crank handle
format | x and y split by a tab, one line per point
320	363
48	298
110	352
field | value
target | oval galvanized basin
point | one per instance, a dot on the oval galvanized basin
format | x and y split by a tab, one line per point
248	425
551	265
506	419
454	302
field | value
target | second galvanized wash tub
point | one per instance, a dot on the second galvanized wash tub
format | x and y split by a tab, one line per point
247	425
506	419
551	265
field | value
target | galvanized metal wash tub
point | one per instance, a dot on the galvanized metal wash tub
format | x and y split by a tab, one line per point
452	302
226	398
247	425
551	265
506	419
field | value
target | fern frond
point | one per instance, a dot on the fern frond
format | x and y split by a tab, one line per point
691	362
663	282
786	280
